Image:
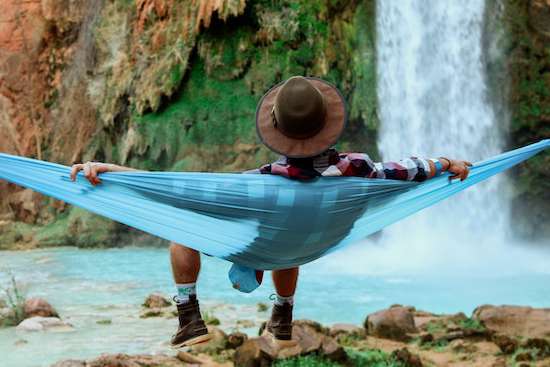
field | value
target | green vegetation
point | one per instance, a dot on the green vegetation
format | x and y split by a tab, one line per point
366	358
210	319
15	301
471	324
528	62
306	361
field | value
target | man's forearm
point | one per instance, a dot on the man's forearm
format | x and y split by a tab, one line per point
117	168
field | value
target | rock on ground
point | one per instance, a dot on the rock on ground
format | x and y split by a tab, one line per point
156	300
39	323
308	337
39	307
515	320
394	323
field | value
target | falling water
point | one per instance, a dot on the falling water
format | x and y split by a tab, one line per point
433	101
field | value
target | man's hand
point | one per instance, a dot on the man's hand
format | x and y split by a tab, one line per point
459	168
91	170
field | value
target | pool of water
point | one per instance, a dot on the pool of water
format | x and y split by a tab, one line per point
87	286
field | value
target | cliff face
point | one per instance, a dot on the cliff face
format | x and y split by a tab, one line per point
166	84
526	52
163	84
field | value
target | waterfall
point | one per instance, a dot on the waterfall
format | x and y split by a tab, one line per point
433	101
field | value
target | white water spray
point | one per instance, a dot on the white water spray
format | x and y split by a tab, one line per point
433	102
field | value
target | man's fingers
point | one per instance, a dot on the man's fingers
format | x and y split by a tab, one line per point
466	173
93	175
74	170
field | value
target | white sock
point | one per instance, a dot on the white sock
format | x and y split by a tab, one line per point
280	300
184	291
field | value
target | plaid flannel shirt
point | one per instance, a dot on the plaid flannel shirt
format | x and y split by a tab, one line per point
332	163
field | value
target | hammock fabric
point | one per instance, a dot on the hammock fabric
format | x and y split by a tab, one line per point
255	221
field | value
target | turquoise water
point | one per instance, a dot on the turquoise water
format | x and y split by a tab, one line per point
91	285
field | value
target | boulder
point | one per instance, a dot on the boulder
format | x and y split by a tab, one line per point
515	320
7	315
70	363
39	307
156	300
124	360
394	323
352	330
404	357
507	345
308	337
39	323
217	343
260	351
236	339
330	349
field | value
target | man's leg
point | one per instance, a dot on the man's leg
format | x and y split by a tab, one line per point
186	264
285	281
280	325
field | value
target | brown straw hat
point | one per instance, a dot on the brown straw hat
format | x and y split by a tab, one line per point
301	117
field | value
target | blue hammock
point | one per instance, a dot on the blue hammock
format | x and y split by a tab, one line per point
255	221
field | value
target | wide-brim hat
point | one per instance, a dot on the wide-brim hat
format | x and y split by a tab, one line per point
301	117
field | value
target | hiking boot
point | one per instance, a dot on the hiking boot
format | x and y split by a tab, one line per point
280	324
192	329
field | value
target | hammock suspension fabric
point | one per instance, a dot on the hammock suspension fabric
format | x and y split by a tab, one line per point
259	222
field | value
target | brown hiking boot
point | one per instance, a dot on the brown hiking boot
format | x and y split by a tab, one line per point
192	329
280	324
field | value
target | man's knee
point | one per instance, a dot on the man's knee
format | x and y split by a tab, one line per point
179	248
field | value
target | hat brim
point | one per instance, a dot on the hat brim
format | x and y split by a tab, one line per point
336	118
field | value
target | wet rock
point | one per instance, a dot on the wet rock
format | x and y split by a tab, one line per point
236	339
262	307
406	358
39	307
153	312
156	300
20	342
245	324
515	320
7	315
70	363
3	303
394	323
507	345
39	323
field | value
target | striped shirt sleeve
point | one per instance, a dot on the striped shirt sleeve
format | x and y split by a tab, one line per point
409	169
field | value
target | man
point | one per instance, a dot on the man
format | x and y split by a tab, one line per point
301	119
